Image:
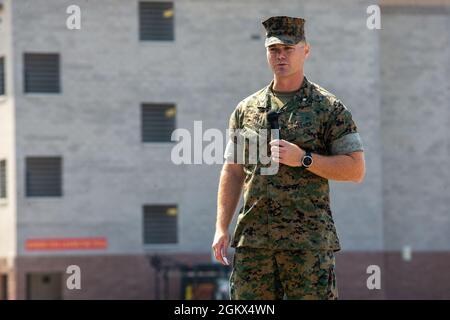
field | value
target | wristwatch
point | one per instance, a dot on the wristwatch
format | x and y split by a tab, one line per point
307	159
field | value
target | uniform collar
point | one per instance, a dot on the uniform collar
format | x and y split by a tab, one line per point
302	96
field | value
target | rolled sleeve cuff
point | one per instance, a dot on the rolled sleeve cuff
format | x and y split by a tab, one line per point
230	155
349	143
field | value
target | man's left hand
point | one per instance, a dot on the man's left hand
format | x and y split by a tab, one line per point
286	153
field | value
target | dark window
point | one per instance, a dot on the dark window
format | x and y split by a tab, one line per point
160	224
44	177
3	192
42	72
156	21
2	76
158	122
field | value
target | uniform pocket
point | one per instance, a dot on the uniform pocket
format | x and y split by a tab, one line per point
301	129
255	148
327	286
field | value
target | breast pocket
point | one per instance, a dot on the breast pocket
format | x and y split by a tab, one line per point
302	128
253	146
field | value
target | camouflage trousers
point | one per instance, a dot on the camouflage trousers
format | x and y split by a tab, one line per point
264	274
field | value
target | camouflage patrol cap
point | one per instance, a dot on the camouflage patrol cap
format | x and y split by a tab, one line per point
284	30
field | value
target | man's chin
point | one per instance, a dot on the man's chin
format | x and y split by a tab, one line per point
282	73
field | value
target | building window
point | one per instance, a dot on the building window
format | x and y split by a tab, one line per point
160	224
156	21
44	177
3	192
2	76
42	73
158	122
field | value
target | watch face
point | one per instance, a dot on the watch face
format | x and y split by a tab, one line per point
307	161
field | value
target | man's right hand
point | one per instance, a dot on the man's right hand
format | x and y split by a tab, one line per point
220	246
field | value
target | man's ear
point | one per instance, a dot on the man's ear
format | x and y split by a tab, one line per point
307	49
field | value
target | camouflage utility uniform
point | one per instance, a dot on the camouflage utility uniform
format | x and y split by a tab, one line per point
285	236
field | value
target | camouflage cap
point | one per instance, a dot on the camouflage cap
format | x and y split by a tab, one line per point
284	30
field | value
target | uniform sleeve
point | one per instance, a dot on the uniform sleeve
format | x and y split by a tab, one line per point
230	154
341	134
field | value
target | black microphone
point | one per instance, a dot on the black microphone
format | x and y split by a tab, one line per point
272	119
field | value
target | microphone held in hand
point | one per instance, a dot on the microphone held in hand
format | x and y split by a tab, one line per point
272	119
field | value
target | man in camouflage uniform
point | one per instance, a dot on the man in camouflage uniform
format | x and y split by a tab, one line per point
285	236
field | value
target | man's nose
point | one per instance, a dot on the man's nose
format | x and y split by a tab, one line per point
281	55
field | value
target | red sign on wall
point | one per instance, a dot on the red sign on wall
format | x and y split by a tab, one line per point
66	244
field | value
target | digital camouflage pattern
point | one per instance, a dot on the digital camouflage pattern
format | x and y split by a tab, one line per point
290	210
284	30
261	274
285	237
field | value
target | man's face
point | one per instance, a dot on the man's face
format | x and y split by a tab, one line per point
286	60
